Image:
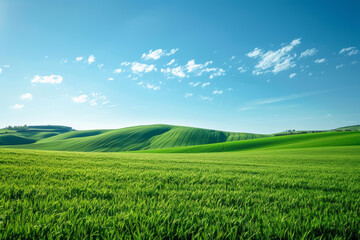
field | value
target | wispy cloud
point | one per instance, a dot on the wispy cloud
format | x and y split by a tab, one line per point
171	62
80	99
349	51
158	53
308	52
187	95
274	61
27	96
260	102
79	59
218	92
53	79
339	66
17	106
322	60
205	98
149	85
205	84
292	75
119	70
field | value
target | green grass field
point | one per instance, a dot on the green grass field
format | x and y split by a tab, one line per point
299	193
304	186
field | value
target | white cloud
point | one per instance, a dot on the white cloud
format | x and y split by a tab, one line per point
79	59
100	66
274	61
218	92
98	98
308	52
111	79
232	58
119	70
192	66
292	75
80	99
91	59
241	69
349	51
141	68
255	53
125	63
322	60
188	95
205	98
260	102
339	66
0	70
205	84
158	53
171	62
149	86
18	106
194	84
53	79
27	96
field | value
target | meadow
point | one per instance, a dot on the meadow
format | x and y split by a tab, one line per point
269	193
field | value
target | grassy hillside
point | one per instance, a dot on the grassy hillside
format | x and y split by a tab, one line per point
350	128
326	139
308	193
136	138
30	135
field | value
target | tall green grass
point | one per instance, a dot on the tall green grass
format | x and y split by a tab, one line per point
303	193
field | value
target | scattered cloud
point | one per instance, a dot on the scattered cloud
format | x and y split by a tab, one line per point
274	61
27	96
80	99
18	106
149	86
205	84
53	79
91	59
111	79
322	60
178	72
125	63
339	66
205	98
171	62
194	84
241	69
187	95
349	51
308	52
119	70
139	68
292	75
218	92
254	53
158	53
100	66
0	70
98	99
79	59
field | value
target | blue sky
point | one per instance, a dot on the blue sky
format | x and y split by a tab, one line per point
251	66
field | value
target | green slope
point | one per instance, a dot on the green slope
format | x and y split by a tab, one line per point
10	139
349	128
326	139
136	138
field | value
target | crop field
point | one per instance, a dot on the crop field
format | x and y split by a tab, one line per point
298	193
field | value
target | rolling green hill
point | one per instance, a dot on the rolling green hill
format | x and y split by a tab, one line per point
31	135
349	128
136	138
310	140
